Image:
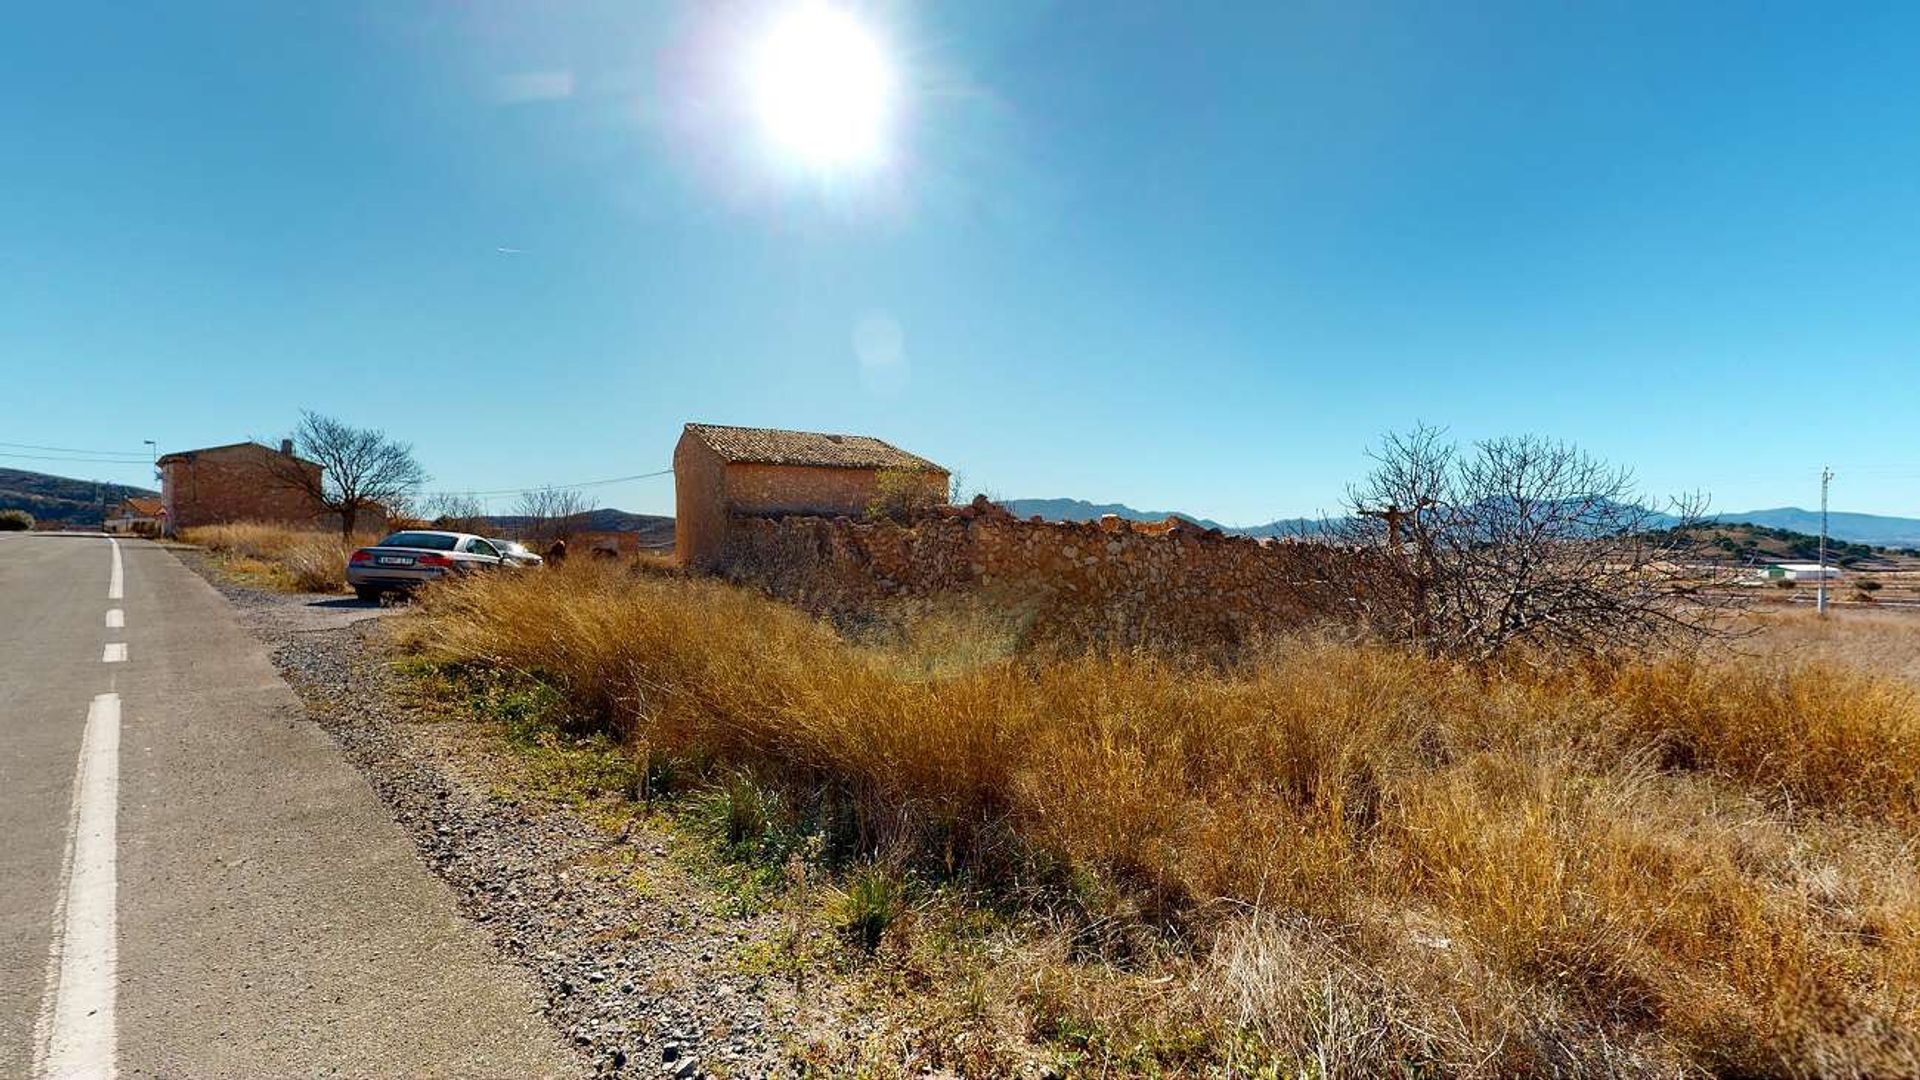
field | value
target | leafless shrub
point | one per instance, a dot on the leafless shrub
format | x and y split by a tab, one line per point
454	510
1525	541
551	513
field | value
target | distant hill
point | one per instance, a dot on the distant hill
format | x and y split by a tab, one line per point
1757	544
61	500
1874	529
654	530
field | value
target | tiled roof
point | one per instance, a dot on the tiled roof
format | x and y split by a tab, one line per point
771	446
144	507
188	455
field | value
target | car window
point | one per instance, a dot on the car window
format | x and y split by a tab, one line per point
480	547
430	541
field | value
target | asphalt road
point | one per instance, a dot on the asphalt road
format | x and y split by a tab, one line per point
193	882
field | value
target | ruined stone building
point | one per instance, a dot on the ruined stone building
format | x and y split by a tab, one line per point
721	472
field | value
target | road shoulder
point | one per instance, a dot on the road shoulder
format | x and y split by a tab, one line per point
274	919
640	963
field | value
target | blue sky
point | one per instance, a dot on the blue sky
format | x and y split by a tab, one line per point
1180	258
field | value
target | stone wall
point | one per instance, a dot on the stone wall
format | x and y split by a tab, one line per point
1109	582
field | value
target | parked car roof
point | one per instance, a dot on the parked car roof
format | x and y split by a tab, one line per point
429	539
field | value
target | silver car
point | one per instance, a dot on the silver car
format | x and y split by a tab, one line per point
515	552
407	560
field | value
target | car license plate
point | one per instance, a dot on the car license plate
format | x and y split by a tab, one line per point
395	560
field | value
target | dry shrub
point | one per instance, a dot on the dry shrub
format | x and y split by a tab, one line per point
1394	997
1822	735
1660	866
298	560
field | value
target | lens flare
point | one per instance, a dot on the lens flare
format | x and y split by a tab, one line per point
823	89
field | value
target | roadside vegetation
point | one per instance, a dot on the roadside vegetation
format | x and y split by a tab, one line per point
278	557
1329	857
15	521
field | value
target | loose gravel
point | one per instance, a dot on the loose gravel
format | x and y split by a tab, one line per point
644	981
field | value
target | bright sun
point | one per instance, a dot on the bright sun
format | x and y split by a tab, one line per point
823	89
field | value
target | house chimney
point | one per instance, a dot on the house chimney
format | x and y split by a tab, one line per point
286	447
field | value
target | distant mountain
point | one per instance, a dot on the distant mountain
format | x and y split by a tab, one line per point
1874	529
59	499
1082	510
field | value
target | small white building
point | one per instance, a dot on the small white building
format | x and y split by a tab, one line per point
1800	571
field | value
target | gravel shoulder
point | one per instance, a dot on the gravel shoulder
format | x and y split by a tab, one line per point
646	967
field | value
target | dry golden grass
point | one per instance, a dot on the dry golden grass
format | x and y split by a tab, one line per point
1887	640
279	556
1336	858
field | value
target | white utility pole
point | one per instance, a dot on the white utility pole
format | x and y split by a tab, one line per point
1826	477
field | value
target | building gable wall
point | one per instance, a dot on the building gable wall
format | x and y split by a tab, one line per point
700	503
234	483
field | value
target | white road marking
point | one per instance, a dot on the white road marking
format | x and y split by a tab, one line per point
116	619
76	1029
115	580
116	653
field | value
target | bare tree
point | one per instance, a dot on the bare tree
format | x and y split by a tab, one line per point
1524	540
551	513
359	467
454	510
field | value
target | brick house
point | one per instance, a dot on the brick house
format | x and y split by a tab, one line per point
140	515
720	471
238	482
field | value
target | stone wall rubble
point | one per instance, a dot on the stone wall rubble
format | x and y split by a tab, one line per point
1112	582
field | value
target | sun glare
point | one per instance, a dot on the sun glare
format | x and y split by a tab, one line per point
823	89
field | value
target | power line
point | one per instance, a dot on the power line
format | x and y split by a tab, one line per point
142	460
142	454
141	457
555	487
